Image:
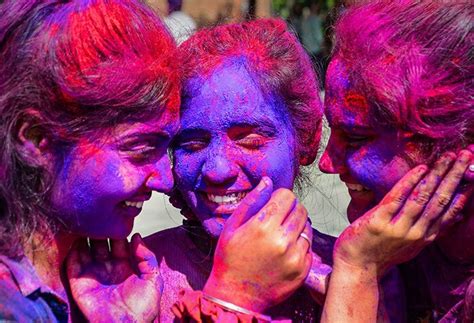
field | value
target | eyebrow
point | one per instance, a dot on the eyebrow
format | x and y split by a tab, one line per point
262	123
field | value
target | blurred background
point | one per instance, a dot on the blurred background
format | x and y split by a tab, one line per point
326	198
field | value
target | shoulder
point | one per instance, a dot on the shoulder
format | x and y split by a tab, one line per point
14	306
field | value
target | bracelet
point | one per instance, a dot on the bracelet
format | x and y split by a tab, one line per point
238	309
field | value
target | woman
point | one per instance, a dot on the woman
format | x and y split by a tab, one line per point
249	103
89	101
250	110
399	93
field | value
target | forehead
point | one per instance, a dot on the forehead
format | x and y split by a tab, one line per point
345	104
228	96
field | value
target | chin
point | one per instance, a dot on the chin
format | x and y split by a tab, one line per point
355	211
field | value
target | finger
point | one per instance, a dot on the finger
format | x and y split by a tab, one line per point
119	248
453	214
317	280
145	259
278	208
75	260
99	249
469	175
251	204
421	195
295	222
397	196
305	238
445	192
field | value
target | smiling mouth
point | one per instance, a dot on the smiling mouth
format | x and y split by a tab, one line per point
138	205
227	199
356	187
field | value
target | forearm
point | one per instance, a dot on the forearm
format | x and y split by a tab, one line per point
353	295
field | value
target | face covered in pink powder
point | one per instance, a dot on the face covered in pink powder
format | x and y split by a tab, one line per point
232	134
368	160
105	179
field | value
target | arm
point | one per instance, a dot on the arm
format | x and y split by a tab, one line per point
260	259
395	231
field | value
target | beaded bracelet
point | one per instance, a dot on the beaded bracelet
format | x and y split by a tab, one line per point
238	309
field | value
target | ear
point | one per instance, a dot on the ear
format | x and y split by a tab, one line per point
33	140
310	150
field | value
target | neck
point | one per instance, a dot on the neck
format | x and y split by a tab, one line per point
47	257
454	242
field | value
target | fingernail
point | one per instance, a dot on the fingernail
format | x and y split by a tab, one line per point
422	168
263	183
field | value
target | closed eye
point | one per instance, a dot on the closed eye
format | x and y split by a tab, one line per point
192	145
252	141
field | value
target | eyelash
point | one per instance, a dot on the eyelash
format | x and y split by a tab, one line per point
191	146
252	143
141	152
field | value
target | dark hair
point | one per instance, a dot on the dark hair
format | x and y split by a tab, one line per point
273	55
82	66
413	61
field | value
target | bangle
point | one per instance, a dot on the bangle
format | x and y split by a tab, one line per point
238	309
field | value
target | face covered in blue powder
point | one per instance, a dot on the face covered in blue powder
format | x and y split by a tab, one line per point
106	178
232	134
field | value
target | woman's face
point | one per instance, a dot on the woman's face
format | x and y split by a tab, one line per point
368	161
231	136
105	179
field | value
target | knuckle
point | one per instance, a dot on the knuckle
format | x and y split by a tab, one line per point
281	246
443	200
422	198
416	235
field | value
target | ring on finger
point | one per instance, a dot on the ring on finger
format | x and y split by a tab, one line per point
305	236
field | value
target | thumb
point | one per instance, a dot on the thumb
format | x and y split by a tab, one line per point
317	281
251	204
144	258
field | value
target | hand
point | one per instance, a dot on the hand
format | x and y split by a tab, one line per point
408	218
317	280
260	258
120	284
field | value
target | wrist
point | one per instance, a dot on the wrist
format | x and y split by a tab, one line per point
363	273
234	293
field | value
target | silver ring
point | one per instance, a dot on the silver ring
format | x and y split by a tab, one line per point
471	167
305	236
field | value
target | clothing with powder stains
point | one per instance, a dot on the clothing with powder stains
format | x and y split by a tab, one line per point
24	298
185	256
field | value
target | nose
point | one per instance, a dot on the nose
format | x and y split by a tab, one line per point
161	177
333	159
220	167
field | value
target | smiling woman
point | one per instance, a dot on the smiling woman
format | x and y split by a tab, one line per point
89	102
251	117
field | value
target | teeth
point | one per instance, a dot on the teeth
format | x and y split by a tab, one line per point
138	205
356	187
232	198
